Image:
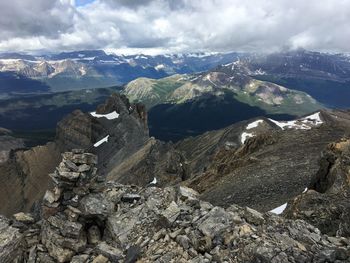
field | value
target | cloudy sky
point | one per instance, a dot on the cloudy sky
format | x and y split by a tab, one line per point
158	26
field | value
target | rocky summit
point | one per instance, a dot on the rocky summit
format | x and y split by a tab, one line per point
83	218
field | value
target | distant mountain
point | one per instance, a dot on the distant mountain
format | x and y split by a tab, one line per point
184	105
326	77
95	68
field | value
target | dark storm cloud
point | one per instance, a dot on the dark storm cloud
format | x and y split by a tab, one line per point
175	25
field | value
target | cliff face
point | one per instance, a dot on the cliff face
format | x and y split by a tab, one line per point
24	177
84	219
326	204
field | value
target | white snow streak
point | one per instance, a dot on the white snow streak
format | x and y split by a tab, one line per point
105	139
245	136
279	210
110	116
154	181
254	124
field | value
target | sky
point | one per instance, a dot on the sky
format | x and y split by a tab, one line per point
174	26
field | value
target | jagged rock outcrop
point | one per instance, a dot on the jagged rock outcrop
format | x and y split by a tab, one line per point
326	203
125	132
87	220
155	159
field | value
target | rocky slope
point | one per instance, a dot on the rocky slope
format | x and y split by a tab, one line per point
85	220
276	162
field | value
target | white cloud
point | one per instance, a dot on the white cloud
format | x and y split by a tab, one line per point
175	25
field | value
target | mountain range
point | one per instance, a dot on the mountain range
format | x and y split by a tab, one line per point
94	69
186	94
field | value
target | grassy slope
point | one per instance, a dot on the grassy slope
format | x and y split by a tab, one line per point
163	88
333	94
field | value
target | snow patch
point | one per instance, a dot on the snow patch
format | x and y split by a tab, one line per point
105	139
254	124
279	210
154	181
305	123
110	116
245	136
315	118
159	67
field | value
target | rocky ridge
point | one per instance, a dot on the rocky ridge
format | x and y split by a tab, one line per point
84	219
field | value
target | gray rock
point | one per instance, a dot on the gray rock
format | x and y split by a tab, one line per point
71	176
254	217
66	228
80	259
185	193
130	198
112	253
25	218
216	221
184	241
171	213
96	205
94	235
11	243
100	259
84	168
120	225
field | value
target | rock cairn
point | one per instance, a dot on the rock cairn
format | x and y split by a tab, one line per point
85	220
63	231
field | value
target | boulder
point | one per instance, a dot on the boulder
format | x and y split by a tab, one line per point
11	243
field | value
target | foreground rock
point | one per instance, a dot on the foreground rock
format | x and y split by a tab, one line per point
84	219
11	243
